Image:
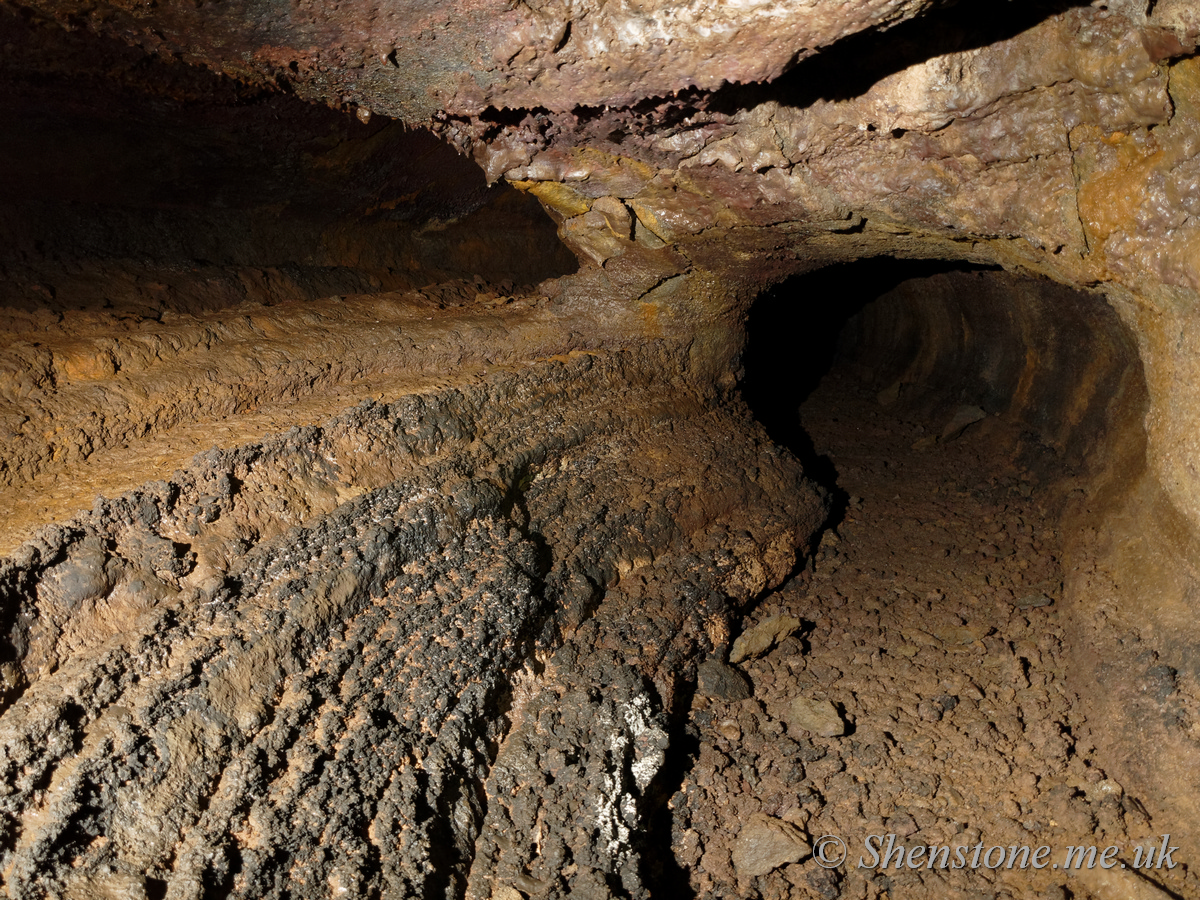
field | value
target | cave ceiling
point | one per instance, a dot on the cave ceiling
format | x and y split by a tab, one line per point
1058	137
457	293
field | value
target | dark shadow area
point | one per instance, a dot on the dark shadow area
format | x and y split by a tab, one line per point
794	330
137	183
853	65
794	337
660	869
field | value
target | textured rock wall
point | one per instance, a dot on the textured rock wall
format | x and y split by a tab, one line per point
316	662
358	641
1059	361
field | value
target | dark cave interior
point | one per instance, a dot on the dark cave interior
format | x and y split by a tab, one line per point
587	410
191	190
930	337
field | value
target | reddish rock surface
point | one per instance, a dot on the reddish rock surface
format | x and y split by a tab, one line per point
457	304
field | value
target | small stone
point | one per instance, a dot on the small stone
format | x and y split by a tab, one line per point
962	634
919	637
766	843
902	825
889	394
963	417
721	682
929	711
816	716
1033	601
762	637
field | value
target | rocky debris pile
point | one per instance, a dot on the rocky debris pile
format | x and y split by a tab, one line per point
922	694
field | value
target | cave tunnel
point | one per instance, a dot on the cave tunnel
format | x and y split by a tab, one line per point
975	429
942	339
586	470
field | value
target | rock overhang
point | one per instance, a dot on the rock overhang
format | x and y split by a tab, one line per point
689	156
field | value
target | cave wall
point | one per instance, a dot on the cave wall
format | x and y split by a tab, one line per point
1064	369
135	185
513	409
1056	361
211	675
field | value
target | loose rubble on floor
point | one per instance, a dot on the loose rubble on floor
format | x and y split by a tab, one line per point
908	682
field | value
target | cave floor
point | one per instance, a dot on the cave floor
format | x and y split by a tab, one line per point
931	618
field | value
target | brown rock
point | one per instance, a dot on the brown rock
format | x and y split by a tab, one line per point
962	634
1033	601
964	417
766	843
762	637
814	716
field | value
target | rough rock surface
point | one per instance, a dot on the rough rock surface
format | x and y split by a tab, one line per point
446	609
759	639
764	844
954	744
807	715
461	58
294	663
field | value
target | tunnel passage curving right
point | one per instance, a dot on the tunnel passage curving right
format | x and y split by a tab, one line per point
483	509
931	337
1027	401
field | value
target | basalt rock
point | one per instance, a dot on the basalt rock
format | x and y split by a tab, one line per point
336	632
373	468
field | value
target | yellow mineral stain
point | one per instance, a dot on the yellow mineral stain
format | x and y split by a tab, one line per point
561	198
1109	199
1185	88
650	323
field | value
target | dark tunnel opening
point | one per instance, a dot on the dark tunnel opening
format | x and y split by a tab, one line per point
795	337
1050	367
